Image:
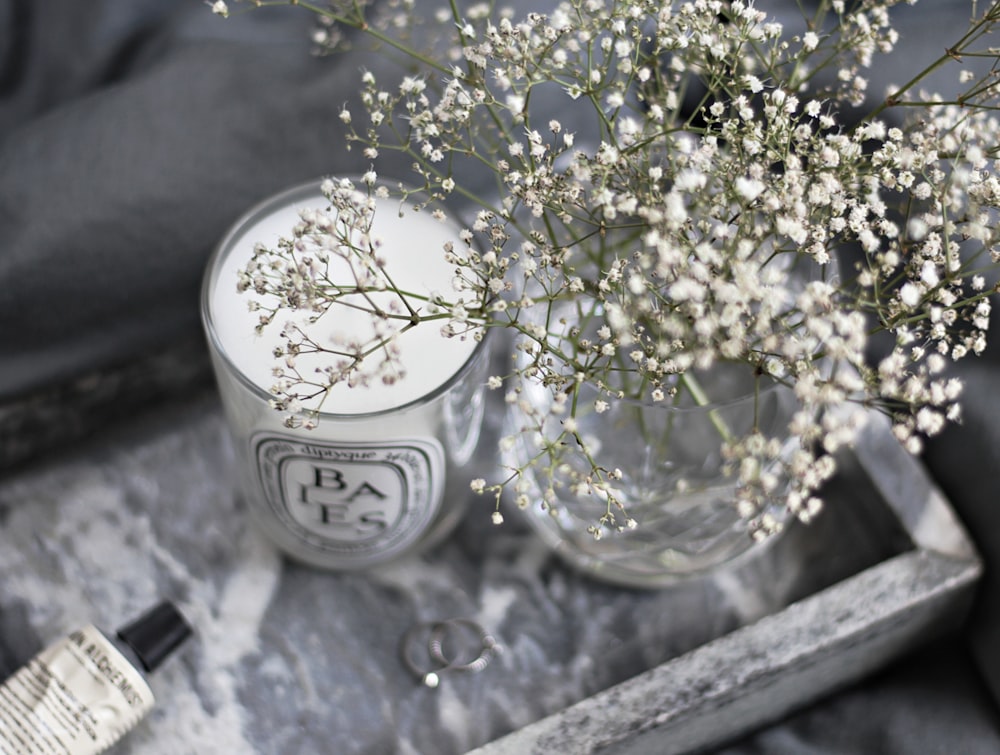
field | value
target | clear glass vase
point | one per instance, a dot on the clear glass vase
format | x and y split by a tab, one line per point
674	482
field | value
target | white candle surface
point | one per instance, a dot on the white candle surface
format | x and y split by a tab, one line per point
412	245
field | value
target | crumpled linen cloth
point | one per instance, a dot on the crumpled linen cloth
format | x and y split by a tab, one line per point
134	132
131	135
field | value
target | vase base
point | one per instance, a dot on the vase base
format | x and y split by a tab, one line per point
668	567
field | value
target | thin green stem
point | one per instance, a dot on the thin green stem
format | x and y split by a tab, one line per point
955	52
693	386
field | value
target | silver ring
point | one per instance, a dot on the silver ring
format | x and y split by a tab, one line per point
452	632
432	676
487	645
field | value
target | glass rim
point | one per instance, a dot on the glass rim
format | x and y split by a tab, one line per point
302	191
646	402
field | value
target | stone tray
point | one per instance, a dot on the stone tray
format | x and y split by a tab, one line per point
290	660
781	662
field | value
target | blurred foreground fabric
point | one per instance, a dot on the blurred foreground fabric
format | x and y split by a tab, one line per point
134	132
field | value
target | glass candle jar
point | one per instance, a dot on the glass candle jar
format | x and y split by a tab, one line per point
379	476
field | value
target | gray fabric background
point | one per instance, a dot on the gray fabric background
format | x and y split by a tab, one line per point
131	135
133	132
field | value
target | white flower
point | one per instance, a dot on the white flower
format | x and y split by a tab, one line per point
412	85
749	188
655	247
929	274
910	295
929	421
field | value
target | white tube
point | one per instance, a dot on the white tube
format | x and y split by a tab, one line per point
81	694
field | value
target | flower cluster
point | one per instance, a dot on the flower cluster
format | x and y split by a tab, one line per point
678	186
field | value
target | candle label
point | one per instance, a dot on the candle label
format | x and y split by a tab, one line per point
363	501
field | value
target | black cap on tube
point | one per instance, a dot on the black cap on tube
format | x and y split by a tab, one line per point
156	634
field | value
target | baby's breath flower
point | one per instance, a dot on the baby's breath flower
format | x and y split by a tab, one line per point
631	242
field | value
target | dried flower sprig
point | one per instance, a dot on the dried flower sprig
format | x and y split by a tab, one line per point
672	188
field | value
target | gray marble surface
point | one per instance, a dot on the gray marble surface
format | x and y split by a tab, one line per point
291	660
